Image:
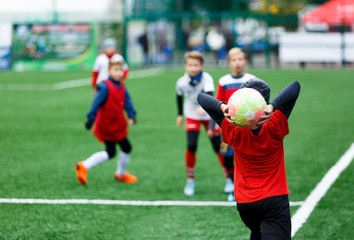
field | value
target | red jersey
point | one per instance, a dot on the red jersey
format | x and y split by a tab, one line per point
110	123
259	159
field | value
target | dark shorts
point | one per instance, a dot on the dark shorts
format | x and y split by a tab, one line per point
267	217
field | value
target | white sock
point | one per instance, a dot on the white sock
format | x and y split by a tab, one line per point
123	161
191	181
96	159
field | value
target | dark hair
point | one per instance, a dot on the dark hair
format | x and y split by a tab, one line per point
259	85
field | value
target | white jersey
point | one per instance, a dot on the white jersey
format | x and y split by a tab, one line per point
190	93
101	66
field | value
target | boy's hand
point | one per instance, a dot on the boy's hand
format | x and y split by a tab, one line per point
88	125
210	133
179	121
225	109
131	121
94	91
267	113
199	111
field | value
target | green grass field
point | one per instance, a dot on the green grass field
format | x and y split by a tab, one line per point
42	136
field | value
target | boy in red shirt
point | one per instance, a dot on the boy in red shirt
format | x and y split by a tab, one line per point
107	112
261	189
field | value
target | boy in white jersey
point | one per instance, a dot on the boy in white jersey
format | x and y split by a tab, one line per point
193	82
100	67
227	85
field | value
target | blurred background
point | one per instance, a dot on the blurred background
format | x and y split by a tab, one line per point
62	35
47	51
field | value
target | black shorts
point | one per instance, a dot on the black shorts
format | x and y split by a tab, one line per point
269	216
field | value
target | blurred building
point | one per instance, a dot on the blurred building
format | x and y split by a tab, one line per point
35	11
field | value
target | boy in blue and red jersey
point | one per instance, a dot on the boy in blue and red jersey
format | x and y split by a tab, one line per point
227	85
107	112
261	189
231	82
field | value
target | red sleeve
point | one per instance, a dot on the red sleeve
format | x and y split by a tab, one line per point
94	75
278	125
220	93
125	73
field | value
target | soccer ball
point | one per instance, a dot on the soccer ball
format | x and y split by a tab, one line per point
246	106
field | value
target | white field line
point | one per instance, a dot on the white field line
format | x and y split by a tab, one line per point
74	83
71	84
122	202
302	214
25	87
145	73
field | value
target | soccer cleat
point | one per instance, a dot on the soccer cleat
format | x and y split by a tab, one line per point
189	189
127	178
81	173
231	197
229	186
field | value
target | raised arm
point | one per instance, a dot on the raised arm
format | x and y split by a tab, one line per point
212	106
286	99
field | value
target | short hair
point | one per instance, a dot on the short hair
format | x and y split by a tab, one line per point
194	55
114	62
259	85
235	51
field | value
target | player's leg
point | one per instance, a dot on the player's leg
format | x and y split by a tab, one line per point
270	237
192	129
276	219
228	160
192	139
94	160
250	215
216	143
100	157
123	161
228	155
191	158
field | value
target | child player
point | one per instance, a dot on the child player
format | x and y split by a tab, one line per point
227	85
188	86
261	188
107	112
100	67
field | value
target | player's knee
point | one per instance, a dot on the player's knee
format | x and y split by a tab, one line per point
192	147
216	146
127	148
125	145
216	141
111	152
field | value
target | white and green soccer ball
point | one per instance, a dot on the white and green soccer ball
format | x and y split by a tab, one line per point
246	106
